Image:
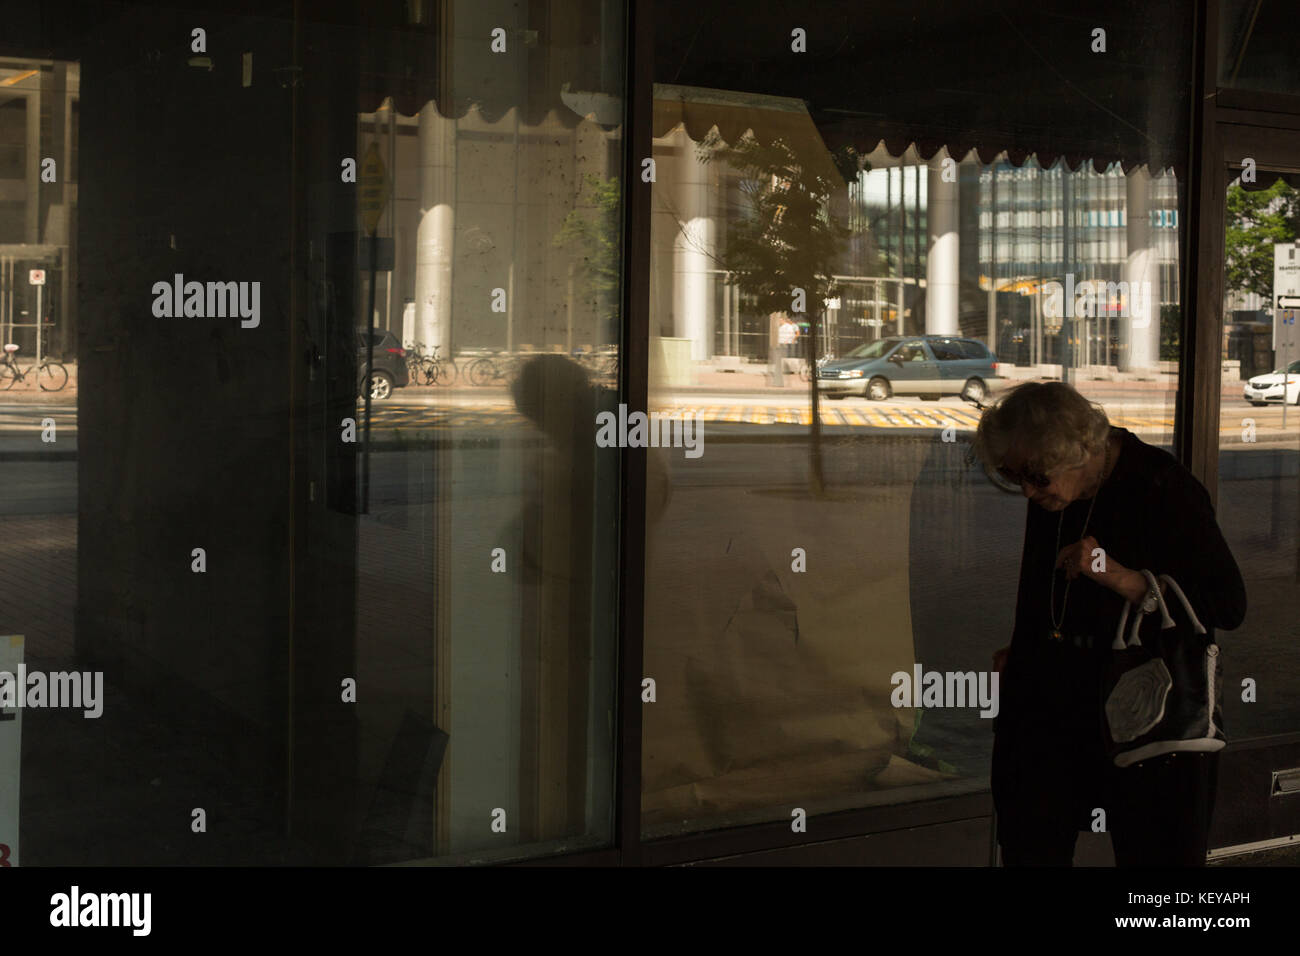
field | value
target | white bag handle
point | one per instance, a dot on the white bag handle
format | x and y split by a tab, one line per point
1168	622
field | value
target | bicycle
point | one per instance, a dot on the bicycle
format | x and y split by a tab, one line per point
442	371
601	363
416	363
430	369
488	370
50	376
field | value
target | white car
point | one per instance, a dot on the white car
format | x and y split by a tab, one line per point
1268	389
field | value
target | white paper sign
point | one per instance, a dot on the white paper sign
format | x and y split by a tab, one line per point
11	750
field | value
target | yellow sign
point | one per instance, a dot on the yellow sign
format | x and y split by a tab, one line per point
374	188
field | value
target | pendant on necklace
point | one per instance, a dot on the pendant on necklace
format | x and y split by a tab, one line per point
1054	634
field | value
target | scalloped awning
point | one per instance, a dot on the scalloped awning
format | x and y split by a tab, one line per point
994	77
768	118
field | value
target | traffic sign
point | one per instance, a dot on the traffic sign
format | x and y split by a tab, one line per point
1286	298
374	188
36	277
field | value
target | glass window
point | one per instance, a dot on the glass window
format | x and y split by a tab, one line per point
46	757
946	350
340	617
873	350
791	577
1257	46
1259	448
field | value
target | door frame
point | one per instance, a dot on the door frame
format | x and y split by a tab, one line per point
1230	125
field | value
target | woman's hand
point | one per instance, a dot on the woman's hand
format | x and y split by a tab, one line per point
1078	559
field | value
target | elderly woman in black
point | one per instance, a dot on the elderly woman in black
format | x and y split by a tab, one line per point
1092	485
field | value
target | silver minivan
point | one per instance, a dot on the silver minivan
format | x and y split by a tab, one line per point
927	365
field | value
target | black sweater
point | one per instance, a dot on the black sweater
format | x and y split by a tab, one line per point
1150	513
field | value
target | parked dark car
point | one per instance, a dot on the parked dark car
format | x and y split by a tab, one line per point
928	365
390	364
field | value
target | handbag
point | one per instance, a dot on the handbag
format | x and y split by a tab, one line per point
1164	696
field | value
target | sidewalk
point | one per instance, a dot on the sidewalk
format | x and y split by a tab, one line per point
756	378
30	393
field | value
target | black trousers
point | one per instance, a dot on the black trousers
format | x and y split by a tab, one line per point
1158	812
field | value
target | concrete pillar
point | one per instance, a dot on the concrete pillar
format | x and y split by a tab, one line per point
1139	329
32	224
436	166
694	243
942	277
993	258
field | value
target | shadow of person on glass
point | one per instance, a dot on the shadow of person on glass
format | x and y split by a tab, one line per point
567	533
1095	490
556	395
560	398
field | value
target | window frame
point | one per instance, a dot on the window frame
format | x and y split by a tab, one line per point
1195	445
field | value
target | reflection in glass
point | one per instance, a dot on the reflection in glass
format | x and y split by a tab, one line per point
834	535
1259	451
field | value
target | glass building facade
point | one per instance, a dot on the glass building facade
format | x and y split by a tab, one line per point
336	324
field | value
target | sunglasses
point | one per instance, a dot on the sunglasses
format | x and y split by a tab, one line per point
1034	478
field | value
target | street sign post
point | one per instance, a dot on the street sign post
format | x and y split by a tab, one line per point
37	278
374	188
1286	302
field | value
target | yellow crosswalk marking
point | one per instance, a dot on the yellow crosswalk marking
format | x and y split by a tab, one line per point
841	414
874	417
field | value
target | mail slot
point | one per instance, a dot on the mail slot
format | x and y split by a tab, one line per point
1285	782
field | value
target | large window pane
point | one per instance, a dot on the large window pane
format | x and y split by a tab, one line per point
1259	449
793	572
39	391
333	530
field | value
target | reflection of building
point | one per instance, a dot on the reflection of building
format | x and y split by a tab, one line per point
39	104
467	222
926	236
1039	225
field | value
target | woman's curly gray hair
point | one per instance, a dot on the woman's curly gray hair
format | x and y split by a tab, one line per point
1046	425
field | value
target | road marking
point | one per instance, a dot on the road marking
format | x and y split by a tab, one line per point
460	414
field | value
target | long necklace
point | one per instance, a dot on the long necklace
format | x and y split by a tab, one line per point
1055	633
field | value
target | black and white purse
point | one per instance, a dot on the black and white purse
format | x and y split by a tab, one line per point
1164	696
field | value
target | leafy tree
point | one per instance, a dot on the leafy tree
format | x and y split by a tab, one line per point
788	241
597	238
1256	220
1171	325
